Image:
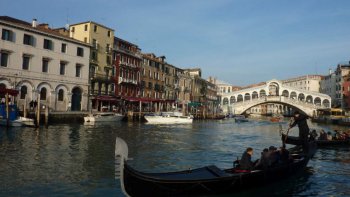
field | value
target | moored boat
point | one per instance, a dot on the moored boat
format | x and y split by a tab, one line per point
103	117
201	181
168	118
241	118
14	120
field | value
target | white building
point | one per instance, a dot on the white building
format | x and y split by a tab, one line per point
328	86
39	61
308	82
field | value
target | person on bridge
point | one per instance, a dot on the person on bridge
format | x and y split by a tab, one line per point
301	121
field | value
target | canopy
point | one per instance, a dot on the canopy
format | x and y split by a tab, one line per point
11	92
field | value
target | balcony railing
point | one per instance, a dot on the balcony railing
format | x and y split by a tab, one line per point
125	80
101	77
135	54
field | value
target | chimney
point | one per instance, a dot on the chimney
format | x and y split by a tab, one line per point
34	22
44	25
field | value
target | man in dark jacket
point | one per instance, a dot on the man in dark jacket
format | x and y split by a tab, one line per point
246	161
301	121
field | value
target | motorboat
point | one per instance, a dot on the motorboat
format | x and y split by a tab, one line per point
103	117
207	180
241	118
168	118
14	120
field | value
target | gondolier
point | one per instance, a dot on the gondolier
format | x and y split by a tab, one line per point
301	121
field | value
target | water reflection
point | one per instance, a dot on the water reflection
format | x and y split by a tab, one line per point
78	160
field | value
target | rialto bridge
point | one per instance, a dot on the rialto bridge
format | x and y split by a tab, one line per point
274	91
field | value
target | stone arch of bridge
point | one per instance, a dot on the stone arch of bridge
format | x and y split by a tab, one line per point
308	112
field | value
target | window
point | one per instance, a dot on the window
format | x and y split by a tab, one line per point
4	57
78	70
43	94
80	52
73	29
95	28
23	92
60	95
108	48
108	59
64	48
85	39
94	55
25	62
28	40
63	68
7	35
94	43
48	44
109	33
86	27
45	65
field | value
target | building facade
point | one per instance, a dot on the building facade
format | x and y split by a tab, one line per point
128	64
308	82
41	63
101	38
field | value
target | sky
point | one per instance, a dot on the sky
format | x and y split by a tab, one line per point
241	42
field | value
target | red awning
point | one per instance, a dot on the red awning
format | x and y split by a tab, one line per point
106	98
11	92
146	100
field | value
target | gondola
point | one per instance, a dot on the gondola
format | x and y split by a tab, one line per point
320	143
202	181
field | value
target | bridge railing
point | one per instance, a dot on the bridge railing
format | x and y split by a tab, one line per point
277	99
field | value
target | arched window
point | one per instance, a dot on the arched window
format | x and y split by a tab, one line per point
285	93
239	98
255	95
262	93
23	92
309	99
60	95
225	102
43	93
232	99
247	97
301	97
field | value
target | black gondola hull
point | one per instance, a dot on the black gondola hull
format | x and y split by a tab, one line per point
320	143
199	181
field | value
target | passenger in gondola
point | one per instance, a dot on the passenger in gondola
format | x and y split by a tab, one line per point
284	155
273	156
329	136
246	160
323	135
313	135
301	121
263	162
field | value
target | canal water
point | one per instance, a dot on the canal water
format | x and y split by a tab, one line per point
78	160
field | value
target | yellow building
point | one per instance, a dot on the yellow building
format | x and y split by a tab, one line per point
101	61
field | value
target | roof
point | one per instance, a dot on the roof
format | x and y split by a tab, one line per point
41	28
93	23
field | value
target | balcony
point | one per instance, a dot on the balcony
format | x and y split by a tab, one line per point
123	50
129	81
128	65
101	77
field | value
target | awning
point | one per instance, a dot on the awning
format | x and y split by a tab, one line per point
194	104
147	100
106	98
11	92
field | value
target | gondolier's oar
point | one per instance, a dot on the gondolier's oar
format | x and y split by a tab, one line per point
285	138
